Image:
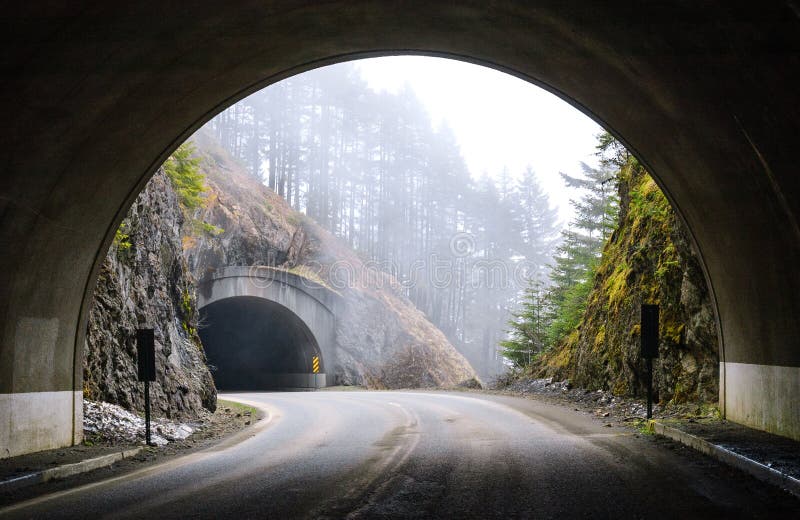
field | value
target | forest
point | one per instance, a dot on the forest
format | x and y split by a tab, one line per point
485	257
553	308
373	169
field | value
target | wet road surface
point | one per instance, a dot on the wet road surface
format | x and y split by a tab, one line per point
423	455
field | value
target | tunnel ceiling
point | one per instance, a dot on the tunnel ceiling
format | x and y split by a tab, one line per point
250	340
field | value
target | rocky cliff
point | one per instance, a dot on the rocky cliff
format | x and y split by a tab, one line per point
383	340
649	259
145	280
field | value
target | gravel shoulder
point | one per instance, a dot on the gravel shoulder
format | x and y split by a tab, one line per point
699	419
229	419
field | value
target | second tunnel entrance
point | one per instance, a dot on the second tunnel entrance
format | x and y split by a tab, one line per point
257	344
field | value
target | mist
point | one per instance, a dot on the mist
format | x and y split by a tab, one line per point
464	226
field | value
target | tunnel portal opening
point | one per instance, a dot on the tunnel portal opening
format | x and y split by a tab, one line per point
257	344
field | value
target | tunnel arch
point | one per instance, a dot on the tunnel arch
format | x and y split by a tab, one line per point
280	306
78	90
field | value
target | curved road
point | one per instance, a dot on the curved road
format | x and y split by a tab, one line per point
422	455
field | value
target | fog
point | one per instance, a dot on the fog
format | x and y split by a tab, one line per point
500	121
446	174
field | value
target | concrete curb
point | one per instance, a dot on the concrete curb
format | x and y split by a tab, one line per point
67	470
756	469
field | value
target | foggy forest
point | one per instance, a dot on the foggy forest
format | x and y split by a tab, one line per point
374	170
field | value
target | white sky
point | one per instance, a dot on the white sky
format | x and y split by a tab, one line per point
499	120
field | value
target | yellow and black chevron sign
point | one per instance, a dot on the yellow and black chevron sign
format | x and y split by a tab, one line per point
315	364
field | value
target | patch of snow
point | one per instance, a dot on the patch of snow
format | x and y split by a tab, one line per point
113	423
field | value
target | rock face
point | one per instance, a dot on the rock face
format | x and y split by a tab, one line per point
649	259
383	340
145	280
148	277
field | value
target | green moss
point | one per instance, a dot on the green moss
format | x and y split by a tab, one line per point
682	392
600	337
672	331
183	170
186	302
87	390
615	287
709	410
562	357
241	408
187	310
122	240
209	229
636	330
644	426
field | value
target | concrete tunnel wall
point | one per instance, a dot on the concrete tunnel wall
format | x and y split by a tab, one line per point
96	95
308	305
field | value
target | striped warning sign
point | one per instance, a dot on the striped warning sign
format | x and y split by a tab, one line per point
315	364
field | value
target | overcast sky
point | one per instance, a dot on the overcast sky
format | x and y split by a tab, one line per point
499	120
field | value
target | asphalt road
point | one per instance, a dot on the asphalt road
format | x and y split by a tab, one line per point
423	455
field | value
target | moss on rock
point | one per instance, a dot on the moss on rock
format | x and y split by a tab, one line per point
648	259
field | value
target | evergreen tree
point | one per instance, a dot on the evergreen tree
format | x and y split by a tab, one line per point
582	244
559	312
596	208
613	154
182	169
528	334
536	220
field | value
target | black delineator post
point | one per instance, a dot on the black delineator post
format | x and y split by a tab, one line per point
147	412
649	388
145	342
649	334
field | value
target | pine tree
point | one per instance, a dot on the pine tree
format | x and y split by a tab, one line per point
182	169
582	244
596	208
528	334
536	220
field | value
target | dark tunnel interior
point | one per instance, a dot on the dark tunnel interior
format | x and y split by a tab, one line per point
256	344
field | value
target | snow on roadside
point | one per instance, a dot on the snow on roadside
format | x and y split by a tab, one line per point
113	423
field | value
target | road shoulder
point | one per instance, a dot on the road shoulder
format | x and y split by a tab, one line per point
40	473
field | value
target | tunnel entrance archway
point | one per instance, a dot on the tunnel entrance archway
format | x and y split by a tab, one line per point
254	311
705	93
257	344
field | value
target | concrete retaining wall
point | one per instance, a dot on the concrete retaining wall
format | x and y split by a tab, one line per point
761	396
